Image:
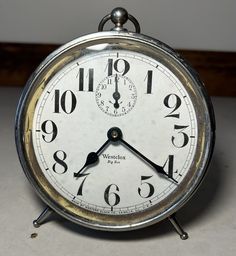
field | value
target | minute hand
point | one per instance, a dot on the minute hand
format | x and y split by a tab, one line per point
158	168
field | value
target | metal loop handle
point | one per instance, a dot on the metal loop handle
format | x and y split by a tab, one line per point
119	16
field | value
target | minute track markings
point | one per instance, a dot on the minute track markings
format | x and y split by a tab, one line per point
115	207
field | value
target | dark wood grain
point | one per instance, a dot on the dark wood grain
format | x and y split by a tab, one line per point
216	69
18	61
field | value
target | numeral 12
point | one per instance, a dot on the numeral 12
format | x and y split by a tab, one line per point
121	66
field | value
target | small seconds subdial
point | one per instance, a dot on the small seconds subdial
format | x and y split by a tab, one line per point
116	95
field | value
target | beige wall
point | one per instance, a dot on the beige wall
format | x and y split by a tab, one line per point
190	24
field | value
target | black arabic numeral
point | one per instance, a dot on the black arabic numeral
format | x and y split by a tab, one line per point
67	102
60	166
180	129
148	185
98	95
90	77
172	101
49	127
149	81
169	164
80	190
104	86
110	67
112	198
121	66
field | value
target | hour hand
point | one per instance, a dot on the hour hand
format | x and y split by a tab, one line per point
116	94
92	158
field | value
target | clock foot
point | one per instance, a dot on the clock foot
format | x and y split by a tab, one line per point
42	217
183	235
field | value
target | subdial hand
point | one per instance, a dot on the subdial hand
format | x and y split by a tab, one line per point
158	168
116	94
92	158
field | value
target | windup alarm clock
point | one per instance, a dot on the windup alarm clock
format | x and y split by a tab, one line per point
114	130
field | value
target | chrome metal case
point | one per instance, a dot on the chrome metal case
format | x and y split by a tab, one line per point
127	41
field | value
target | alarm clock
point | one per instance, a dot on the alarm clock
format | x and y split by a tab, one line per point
114	130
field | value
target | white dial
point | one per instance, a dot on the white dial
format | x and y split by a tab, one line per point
116	95
154	112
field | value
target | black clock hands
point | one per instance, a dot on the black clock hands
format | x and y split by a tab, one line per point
92	158
116	135
158	168
116	94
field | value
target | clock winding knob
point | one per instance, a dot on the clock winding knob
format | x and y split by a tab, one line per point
119	16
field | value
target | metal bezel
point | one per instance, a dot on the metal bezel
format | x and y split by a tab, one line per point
133	42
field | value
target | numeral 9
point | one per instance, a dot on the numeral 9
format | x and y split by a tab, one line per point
50	128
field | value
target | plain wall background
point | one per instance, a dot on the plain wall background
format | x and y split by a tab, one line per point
188	24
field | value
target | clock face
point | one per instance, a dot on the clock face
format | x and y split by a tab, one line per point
114	89
116	135
105	92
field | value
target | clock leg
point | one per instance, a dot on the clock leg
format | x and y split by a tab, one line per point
42	217
183	235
